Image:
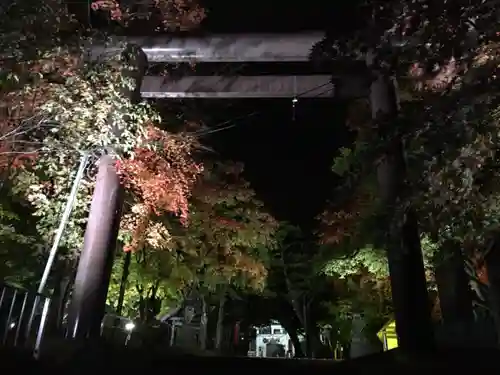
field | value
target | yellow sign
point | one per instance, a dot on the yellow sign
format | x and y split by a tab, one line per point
388	335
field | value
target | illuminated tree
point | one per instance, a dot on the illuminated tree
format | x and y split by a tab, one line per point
445	57
56	104
224	240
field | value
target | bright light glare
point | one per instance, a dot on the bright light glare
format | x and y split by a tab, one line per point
12	325
129	326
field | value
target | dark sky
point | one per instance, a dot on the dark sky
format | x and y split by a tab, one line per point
278	16
287	161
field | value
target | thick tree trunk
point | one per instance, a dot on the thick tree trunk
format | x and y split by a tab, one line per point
409	291
219	333
455	297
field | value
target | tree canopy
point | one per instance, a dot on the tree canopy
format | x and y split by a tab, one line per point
190	218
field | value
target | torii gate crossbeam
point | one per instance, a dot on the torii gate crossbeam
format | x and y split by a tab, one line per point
319	86
314	86
221	48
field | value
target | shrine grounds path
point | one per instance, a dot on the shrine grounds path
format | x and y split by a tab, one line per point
91	359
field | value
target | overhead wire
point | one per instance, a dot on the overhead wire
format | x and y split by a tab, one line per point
228	124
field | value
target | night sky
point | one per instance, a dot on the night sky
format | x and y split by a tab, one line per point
288	161
230	16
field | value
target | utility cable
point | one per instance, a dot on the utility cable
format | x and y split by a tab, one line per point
231	123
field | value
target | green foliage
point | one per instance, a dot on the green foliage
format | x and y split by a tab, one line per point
449	64
225	243
359	295
21	246
343	163
144	274
372	260
56	104
59	105
79	123
229	235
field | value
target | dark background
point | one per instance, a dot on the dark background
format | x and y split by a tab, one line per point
288	158
280	16
288	161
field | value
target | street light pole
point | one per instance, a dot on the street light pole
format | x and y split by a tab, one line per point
57	239
64	221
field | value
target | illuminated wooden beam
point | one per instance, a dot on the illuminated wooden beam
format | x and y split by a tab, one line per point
219	48
318	86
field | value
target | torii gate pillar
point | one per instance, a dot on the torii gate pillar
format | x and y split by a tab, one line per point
94	268
408	284
96	260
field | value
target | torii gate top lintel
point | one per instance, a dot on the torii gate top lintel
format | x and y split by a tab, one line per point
225	48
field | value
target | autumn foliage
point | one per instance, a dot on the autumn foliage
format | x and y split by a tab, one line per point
172	14
34	65
55	104
162	172
161	176
339	224
192	218
227	226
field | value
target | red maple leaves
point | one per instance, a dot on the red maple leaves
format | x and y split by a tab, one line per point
339	224
162	173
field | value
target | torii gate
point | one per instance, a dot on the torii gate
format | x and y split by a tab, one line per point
238	49
408	281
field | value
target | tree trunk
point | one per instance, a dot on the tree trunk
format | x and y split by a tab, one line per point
292	332
203	324
123	283
299	353
60	298
408	284
220	321
307	329
454	295
153	303
57	295
314	348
